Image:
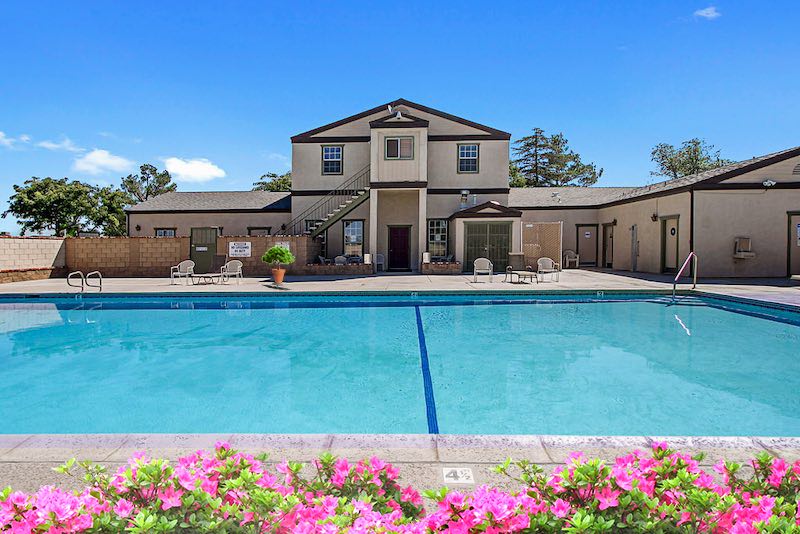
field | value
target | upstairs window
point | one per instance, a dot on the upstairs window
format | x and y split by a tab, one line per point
468	158
332	159
399	148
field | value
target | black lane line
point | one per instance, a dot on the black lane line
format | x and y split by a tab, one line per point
430	402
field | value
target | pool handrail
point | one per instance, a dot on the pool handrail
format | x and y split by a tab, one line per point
691	256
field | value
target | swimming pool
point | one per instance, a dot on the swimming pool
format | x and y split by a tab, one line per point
607	364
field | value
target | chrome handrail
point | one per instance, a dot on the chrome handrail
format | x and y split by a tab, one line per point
99	279
692	256
75	274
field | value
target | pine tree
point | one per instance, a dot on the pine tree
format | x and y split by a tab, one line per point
547	161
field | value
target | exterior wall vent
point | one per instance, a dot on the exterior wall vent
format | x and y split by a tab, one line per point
796	171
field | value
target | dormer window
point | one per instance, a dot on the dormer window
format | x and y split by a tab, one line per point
399	148
332	159
468	158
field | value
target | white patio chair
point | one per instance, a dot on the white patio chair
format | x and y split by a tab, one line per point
184	269
545	266
232	269
482	266
571	257
340	260
380	263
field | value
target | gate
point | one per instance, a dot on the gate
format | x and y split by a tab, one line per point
203	247
487	240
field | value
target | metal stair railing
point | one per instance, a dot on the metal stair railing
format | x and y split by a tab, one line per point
353	191
691	257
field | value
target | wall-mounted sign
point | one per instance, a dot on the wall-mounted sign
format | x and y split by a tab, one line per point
201	249
240	249
458	475
587	235
284	244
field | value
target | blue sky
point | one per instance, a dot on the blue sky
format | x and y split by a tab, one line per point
90	90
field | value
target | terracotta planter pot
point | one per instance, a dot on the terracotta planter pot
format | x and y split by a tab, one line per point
277	275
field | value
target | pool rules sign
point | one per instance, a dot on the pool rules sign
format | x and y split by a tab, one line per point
239	249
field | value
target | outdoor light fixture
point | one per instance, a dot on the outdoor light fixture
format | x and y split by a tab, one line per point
769	183
464	197
138	227
654	217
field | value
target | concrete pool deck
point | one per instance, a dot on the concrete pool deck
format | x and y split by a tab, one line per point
26	461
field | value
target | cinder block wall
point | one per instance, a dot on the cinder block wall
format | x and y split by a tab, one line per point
153	256
21	253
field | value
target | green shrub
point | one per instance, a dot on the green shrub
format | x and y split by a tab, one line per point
278	255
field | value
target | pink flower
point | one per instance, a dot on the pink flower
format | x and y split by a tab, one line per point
561	508
18	498
222	446
170	498
779	470
123	508
607	498
411	495
659	445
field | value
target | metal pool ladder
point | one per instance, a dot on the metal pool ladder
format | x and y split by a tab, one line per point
692	256
86	281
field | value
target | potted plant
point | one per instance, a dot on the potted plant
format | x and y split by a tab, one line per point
278	256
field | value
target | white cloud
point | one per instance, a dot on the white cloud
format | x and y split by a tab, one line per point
193	170
9	142
65	144
708	13
98	161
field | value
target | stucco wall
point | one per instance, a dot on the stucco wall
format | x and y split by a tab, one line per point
20	253
399	170
722	216
649	232
231	223
442	206
443	165
307	165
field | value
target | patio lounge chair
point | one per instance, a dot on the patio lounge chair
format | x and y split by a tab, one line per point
482	266
232	269
571	257
546	266
340	260
184	269
380	263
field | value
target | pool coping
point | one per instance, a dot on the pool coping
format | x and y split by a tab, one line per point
398	448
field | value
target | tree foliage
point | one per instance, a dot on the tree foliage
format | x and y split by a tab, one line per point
66	207
274	182
547	160
148	183
693	156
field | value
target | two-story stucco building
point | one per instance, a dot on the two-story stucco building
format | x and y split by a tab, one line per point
402	179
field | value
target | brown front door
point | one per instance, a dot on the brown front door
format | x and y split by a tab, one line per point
399	248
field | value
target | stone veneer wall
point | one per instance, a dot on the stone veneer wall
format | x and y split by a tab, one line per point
452	267
31	258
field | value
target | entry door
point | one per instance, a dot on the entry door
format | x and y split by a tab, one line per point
608	245
203	247
399	248
587	244
487	240
634	247
794	244
669	247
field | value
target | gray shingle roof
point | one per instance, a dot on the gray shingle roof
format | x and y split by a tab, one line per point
216	201
546	197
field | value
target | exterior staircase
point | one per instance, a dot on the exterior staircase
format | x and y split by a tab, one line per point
332	207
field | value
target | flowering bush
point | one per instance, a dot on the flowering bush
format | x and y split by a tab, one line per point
229	491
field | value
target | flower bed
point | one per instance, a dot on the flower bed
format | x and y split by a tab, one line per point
229	491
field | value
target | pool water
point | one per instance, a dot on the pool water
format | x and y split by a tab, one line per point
612	365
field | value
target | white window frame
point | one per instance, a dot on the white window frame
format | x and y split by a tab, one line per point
331	157
461	158
160	232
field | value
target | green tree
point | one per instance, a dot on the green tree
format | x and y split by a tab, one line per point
47	204
148	183
274	182
693	156
108	210
542	160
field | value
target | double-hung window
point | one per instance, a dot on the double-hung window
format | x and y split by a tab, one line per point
399	148
353	238
332	159
468	158
437	237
